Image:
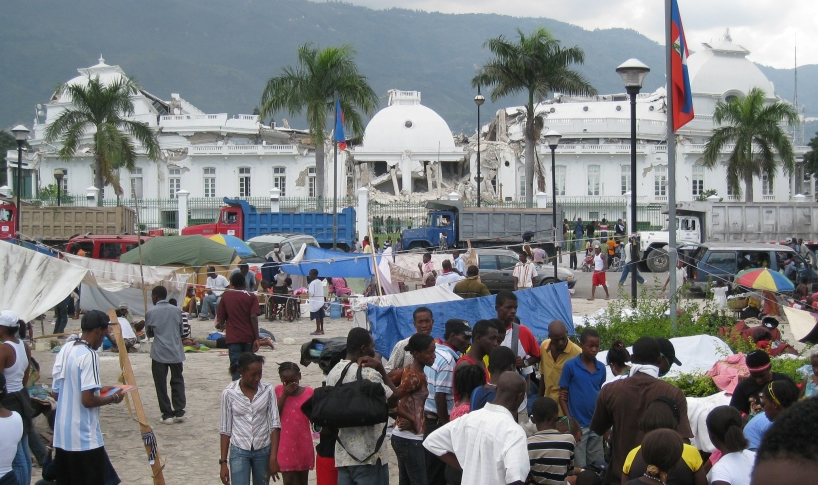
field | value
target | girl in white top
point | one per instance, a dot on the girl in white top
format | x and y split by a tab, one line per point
11	429
14	358
736	462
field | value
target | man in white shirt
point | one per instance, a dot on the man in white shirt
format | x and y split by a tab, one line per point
681	275
487	444
524	272
400	357
215	285
459	263
316	294
449	277
598	279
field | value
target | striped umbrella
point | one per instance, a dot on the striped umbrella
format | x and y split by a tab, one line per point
764	279
241	247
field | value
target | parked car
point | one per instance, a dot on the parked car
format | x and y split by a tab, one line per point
497	265
290	244
104	246
724	260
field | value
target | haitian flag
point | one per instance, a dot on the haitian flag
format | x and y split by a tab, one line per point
340	139
682	96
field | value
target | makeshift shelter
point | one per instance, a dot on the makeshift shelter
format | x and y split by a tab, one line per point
425	296
330	263
537	308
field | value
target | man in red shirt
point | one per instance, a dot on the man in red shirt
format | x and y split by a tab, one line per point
238	314
525	345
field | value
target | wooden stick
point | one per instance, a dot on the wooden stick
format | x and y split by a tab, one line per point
129	379
56	335
375	263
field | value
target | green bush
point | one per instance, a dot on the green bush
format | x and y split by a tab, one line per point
789	367
694	385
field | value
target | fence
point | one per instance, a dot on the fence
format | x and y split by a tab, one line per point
384	218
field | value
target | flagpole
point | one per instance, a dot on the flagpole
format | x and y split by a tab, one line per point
671	165
335	179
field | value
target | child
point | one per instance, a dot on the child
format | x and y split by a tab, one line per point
582	378
410	426
187	334
810	382
720	294
550	452
316	294
466	381
295	454
501	359
252	402
661	449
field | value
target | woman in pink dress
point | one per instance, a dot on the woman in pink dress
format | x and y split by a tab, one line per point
296	456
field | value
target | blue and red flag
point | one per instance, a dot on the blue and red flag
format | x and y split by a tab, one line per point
680	80
340	138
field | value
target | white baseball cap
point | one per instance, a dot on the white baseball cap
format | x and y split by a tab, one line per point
9	318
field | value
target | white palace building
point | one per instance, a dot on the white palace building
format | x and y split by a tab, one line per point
409	153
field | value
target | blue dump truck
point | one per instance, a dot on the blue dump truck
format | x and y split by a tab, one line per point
482	226
239	218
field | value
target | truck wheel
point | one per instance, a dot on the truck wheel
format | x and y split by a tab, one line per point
658	261
547	281
417	246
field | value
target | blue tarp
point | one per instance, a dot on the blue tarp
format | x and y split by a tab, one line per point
333	264
33	247
537	308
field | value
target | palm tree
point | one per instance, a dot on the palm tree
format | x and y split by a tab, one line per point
103	109
534	64
755	127
313	83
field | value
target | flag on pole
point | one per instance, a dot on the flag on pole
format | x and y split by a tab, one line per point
340	138
680	80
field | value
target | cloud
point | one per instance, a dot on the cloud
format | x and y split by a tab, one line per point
767	29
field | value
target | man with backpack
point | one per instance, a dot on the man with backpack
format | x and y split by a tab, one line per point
360	454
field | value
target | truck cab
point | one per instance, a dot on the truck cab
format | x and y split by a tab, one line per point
230	222
8	214
653	244
438	222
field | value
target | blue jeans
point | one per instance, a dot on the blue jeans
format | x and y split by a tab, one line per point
209	304
61	316
411	457
589	449
377	474
625	273
21	466
233	353
242	462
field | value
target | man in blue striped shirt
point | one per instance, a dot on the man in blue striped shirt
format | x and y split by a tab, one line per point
80	454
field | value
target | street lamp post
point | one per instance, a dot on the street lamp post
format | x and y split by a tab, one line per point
59	175
633	72
478	100
20	134
552	138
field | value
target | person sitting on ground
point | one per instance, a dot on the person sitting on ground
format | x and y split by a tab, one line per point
736	462
550	452
215	286
471	287
501	359
747	395
468	379
662	449
775	398
191	302
788	454
802	290
128	334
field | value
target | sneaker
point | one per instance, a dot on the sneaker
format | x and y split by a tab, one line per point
166	421
180	419
203	318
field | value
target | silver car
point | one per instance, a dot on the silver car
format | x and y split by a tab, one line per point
497	265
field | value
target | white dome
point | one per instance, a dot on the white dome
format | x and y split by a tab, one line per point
723	68
107	75
407	125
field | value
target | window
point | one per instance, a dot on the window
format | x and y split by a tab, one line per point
660	181
311	182
559	172
593	179
487	263
766	185
244	182
110	250
174	181
280	180
698	180
521	173
210	182
136	183
625	179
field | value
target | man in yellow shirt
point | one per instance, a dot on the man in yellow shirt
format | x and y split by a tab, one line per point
554	353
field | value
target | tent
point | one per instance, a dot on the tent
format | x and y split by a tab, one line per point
195	251
537	308
329	263
426	296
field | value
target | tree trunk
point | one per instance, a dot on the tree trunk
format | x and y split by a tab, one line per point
319	174
98	179
529	168
748	187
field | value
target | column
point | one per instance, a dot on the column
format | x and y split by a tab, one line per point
542	200
275	200
91	193
362	213
181	219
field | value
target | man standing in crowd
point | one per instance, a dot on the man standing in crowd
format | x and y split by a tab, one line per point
440	382
163	322
449	277
747	395
484	340
488	445
579	233
471	287
631	265
428	274
619	230
554	353
518	337
317	300
524	273
539	253
359	459
459	263
622	403
598	279
400	357
80	456
668	353
237	315
215	286
249	277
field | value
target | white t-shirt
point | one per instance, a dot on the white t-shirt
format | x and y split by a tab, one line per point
599	262
11	429
316	292
720	296
525	272
127	330
217	284
681	275
448	280
733	468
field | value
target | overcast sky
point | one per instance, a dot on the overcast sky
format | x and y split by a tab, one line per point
767	28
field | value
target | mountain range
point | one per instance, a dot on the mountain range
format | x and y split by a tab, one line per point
218	54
